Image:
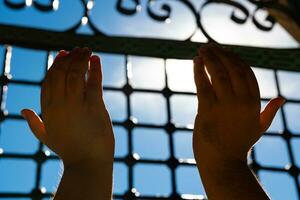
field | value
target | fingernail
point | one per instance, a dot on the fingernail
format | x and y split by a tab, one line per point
95	58
283	100
23	114
61	53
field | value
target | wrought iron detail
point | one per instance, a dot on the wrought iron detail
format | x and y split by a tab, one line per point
165	11
52	4
283	59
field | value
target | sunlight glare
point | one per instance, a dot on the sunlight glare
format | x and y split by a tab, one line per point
43	190
133	190
28	2
168	20
139	8
84	20
47	153
90	4
192	196
129	70
209	77
7	60
50	61
147	72
55	4
181	75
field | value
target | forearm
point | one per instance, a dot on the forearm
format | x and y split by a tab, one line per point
230	180
90	182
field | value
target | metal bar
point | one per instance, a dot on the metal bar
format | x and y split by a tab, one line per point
285	59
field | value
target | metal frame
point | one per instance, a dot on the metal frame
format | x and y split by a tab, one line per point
283	59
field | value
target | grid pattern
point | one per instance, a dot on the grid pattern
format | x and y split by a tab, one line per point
166	169
132	163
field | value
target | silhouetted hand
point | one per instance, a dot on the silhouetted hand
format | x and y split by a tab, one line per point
229	121
76	124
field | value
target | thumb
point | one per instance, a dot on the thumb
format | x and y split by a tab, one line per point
35	123
269	112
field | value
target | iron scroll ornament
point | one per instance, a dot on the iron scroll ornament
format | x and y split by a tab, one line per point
164	12
45	7
156	47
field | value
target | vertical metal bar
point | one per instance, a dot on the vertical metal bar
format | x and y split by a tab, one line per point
170	135
5	75
287	136
128	74
40	154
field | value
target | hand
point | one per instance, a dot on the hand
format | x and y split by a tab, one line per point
229	121
76	124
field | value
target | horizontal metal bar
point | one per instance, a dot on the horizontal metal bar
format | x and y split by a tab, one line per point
121	196
284	59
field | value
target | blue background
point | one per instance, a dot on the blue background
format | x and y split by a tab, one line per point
147	73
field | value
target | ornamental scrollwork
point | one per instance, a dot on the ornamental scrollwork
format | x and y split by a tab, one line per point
161	11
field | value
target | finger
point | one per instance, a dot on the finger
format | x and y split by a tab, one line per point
94	82
236	70
250	76
62	57
218	73
35	123
75	83
268	114
56	78
205	92
253	84
61	54
45	94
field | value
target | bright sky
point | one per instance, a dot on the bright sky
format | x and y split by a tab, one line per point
15	136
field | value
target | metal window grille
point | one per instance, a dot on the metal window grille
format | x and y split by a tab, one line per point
10	36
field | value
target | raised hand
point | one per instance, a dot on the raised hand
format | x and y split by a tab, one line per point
229	121
76	124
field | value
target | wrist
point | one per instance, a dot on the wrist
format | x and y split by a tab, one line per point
208	153
219	169
81	177
229	179
210	158
87	166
